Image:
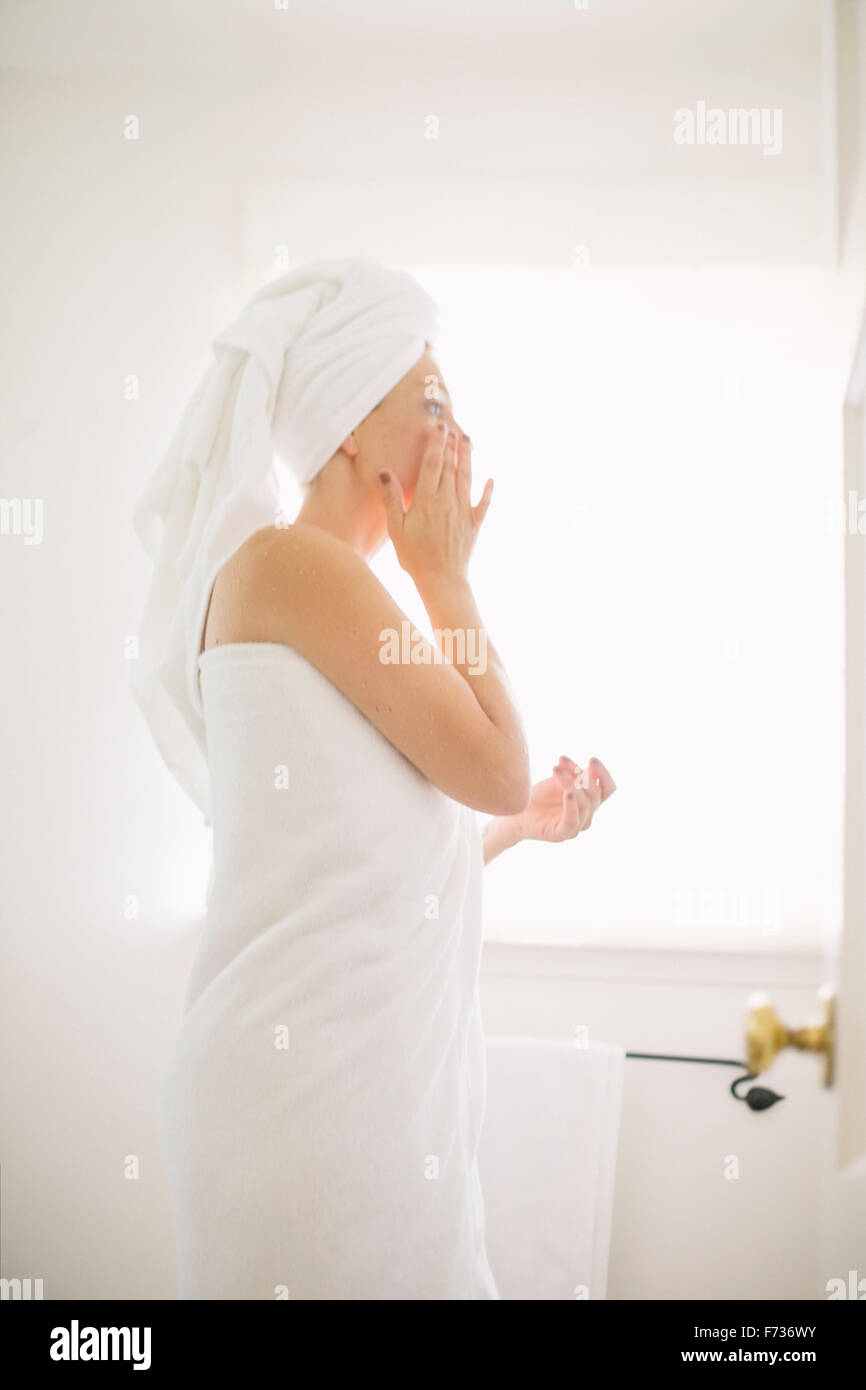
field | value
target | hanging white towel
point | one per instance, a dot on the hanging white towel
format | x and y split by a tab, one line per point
547	1160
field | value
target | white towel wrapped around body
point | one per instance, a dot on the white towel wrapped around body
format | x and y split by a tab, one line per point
321	1112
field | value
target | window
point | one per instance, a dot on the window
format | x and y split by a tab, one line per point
661	571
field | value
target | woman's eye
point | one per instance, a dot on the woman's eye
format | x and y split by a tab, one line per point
438	404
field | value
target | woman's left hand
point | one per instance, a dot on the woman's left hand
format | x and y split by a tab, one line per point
564	804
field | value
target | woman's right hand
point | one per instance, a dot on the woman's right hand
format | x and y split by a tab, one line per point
435	537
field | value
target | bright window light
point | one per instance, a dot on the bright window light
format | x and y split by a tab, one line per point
661	572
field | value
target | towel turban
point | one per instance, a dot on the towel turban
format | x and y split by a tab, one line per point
307	359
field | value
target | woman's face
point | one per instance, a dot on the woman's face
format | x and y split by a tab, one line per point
395	434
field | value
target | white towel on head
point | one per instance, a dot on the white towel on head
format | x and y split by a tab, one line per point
308	358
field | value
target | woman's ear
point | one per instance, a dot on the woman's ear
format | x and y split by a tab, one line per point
349	446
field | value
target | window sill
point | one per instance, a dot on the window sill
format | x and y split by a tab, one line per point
807	941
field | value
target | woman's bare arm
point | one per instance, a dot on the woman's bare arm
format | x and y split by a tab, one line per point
499	834
306	588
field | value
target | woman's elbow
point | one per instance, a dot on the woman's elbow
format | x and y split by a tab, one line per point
513	793
517	802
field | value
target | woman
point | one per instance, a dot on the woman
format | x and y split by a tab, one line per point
322	1107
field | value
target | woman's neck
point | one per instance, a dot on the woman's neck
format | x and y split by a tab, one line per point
337	502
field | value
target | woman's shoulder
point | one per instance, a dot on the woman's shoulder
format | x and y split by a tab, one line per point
274	565
270	545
